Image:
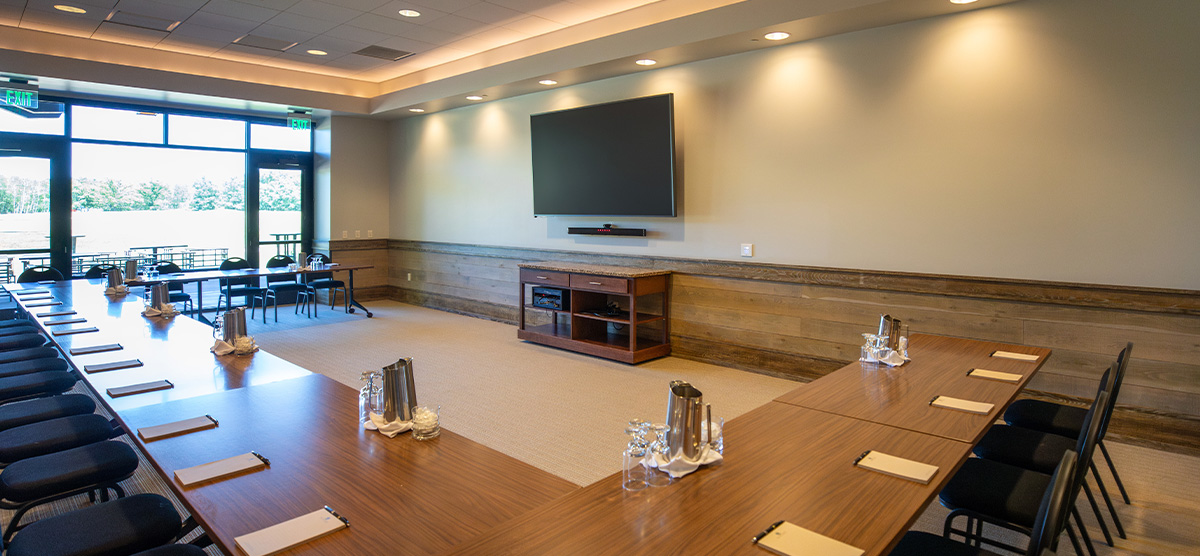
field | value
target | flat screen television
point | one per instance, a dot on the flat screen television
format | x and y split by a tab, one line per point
612	159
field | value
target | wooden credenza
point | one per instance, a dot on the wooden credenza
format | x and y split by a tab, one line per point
613	312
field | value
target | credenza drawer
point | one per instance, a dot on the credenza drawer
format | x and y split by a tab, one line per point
547	277
599	283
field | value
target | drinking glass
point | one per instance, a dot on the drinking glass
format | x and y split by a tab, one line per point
633	471
658	477
425	423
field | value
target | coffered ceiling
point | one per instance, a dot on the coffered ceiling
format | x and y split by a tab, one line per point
367	57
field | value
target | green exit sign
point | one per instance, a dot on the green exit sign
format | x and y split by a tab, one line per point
19	97
300	124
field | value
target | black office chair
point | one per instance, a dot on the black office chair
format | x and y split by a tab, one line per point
25	327
1067	420
282	284
175	293
32	366
26	412
20	342
247	288
54	435
1048	525
128	525
325	281
39	273
989	492
99	271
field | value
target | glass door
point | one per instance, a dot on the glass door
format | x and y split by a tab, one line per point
31	231
278	192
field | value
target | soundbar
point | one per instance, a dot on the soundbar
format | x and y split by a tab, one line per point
607	230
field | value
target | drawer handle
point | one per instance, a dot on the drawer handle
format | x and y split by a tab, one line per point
543	278
596	283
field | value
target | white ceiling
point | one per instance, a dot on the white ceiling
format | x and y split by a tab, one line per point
500	48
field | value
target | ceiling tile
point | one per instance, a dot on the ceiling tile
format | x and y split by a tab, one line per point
489	13
96	3
10	15
457	25
239	10
321	10
352	33
332	45
190	45
207	19
425	34
443	5
302	23
46	21
356	62
161	10
392	10
14	3
533	25
358	5
277	5
126	34
245	54
407	44
46	8
390	27
566	13
524	5
298	59
189	31
282	33
498	36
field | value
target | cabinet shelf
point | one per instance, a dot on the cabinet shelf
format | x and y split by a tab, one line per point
623	318
547	309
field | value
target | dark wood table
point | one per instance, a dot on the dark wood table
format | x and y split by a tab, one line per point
900	396
400	495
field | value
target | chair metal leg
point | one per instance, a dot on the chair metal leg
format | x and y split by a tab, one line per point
1096	510
1104	494
1087	539
1074	539
1111	467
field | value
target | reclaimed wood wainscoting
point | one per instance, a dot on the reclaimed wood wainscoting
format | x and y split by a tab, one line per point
803	322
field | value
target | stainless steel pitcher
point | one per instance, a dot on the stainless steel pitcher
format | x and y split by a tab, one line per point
894	335
131	268
231	325
114	277
399	391
685	416
158	295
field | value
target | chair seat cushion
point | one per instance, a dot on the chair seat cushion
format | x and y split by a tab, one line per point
1026	448
27	353
122	526
286	286
32	366
326	284
15	322
43	409
173	550
1039	415
46	383
55	435
25	328
94	464
178	296
995	489
21	341
919	543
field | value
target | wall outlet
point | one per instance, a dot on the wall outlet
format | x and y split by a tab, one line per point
370	233
345	234
747	249
410	277
357	234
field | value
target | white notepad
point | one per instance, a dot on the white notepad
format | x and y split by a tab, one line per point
64	321
115	365
44	295
793	540
75	331
43	304
277	538
95	349
139	388
47	282
30	292
995	375
896	467
219	468
1017	356
56	314
178	427
946	402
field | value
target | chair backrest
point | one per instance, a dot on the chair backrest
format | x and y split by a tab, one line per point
1089	436
1118	377
168	267
1055	507
236	263
314	276
98	271
39	273
280	261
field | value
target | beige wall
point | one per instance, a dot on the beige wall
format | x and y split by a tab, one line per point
355	173
1049	140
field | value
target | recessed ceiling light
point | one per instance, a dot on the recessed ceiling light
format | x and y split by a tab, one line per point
776	36
417	110
410	13
476	97
548	82
646	62
962	1
69	9
316	52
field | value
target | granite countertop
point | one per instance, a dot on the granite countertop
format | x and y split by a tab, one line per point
598	269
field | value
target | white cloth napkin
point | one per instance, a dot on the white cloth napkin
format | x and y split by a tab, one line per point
241	346
679	467
119	290
891	359
390	429
168	311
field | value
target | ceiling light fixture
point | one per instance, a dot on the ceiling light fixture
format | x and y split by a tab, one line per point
475	97
776	36
69	9
417	110
548	82
316	52
646	62
963	1
410	13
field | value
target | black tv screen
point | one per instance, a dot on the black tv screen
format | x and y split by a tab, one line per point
613	159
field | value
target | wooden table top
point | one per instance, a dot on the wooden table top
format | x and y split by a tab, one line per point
781	462
400	495
900	396
174	349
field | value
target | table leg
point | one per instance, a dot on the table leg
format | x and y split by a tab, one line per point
350	294
200	303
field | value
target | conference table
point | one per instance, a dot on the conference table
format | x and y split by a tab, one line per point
791	459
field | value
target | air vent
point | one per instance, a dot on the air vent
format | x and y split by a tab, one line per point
264	42
142	21
384	53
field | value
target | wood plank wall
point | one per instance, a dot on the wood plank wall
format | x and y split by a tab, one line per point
368	283
803	322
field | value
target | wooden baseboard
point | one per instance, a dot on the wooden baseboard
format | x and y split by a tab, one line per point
773	363
452	304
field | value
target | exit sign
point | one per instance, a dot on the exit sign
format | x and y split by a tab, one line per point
19	97
300	124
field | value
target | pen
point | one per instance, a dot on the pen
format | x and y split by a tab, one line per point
210	418
861	456
763	534
344	520
259	456
933	400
